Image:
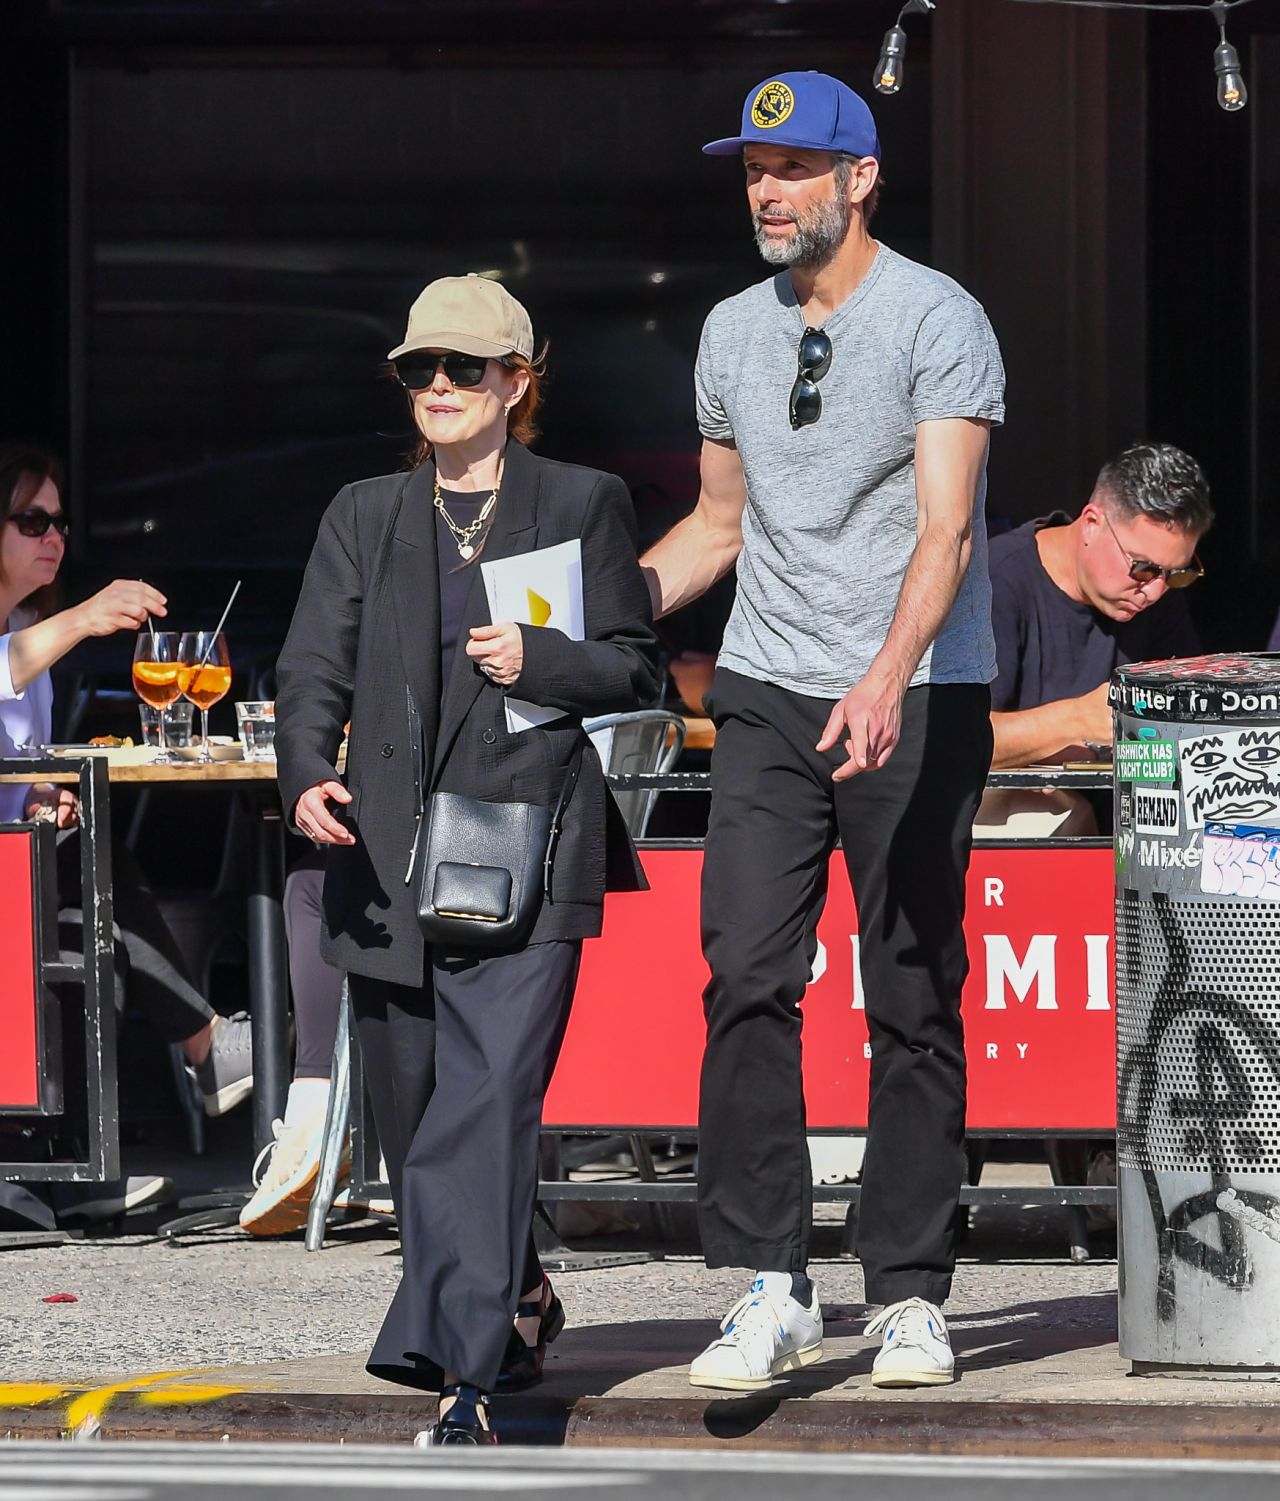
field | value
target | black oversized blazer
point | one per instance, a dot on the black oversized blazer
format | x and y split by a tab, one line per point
368	622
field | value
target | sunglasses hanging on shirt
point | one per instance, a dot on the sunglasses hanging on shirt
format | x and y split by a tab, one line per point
36	523
416	372
813	360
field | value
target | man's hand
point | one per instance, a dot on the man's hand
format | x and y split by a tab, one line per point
498	651
56	805
121	606
312	816
869	720
1093	719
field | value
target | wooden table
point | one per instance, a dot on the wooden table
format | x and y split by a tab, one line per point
179	772
699	733
268	950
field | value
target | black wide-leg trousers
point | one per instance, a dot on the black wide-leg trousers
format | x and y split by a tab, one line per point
906	832
457	1071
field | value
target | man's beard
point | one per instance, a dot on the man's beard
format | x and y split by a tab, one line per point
818	235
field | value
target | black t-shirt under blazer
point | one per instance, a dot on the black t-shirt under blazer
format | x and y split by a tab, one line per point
368	623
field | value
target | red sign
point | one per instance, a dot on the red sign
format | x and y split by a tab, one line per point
1038	1004
19	1063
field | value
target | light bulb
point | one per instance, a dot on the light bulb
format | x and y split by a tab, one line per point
1232	94
888	74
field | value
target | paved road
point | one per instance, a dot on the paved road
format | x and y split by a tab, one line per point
141	1472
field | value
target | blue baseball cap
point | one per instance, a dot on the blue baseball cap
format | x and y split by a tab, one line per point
810	110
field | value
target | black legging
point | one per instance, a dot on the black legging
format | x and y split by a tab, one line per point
317	986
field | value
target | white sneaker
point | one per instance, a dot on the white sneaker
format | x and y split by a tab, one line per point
762	1337
916	1350
285	1175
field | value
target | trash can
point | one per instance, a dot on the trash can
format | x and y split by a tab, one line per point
1197	855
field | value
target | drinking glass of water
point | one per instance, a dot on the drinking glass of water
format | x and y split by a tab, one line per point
256	721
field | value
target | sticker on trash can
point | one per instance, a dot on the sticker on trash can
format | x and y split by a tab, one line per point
1146	761
1156	810
1231	778
1241	860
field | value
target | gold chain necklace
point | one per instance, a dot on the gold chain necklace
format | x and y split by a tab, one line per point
464	535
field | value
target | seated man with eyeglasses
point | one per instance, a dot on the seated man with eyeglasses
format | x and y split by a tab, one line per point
1071	600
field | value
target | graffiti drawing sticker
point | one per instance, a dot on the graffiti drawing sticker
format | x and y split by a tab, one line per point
1146	761
1241	861
1231	778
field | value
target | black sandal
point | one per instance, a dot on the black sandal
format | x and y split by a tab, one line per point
522	1364
461	1424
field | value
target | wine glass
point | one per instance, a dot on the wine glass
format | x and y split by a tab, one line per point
204	676
155	677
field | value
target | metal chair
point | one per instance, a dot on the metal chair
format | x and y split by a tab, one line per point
337	1115
645	740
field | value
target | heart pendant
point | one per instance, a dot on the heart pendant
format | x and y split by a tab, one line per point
467	551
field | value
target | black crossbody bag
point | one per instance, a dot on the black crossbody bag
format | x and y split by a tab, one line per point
481	871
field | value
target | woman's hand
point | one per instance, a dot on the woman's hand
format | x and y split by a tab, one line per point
121	606
312	816
498	651
56	805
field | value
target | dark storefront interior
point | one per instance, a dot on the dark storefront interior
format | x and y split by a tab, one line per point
218	213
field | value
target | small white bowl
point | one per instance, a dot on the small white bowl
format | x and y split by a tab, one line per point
221	748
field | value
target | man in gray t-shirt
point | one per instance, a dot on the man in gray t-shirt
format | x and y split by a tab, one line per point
845	407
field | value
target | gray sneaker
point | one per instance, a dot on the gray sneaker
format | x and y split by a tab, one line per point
226	1075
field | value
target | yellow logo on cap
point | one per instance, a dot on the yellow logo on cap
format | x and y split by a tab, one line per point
772	105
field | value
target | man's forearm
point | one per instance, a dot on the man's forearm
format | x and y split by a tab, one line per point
1025	736
929	588
692	556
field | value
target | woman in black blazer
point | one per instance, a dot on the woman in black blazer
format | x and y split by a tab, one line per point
459	1048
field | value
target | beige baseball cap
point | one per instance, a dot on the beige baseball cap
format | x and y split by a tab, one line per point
470	314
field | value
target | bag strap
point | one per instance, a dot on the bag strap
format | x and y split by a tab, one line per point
557	818
416	754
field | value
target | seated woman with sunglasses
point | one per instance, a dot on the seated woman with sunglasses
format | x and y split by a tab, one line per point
36	635
458	1042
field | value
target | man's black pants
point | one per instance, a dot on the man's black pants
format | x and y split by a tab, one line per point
906	831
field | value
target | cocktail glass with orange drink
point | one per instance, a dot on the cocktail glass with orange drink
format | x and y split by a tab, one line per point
155	676
204	676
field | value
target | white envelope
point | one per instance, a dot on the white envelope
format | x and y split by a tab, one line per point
542	588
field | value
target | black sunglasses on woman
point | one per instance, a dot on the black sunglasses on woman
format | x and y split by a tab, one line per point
35	523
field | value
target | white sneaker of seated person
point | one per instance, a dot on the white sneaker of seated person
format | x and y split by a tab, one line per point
916	1348
763	1335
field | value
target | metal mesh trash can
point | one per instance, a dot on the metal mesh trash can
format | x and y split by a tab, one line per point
1197	850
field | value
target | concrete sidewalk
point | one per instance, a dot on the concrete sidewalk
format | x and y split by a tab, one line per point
224	1337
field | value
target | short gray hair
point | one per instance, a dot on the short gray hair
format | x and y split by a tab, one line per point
842	165
1160	481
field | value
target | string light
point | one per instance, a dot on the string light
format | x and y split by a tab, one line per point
893	50
1232	94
